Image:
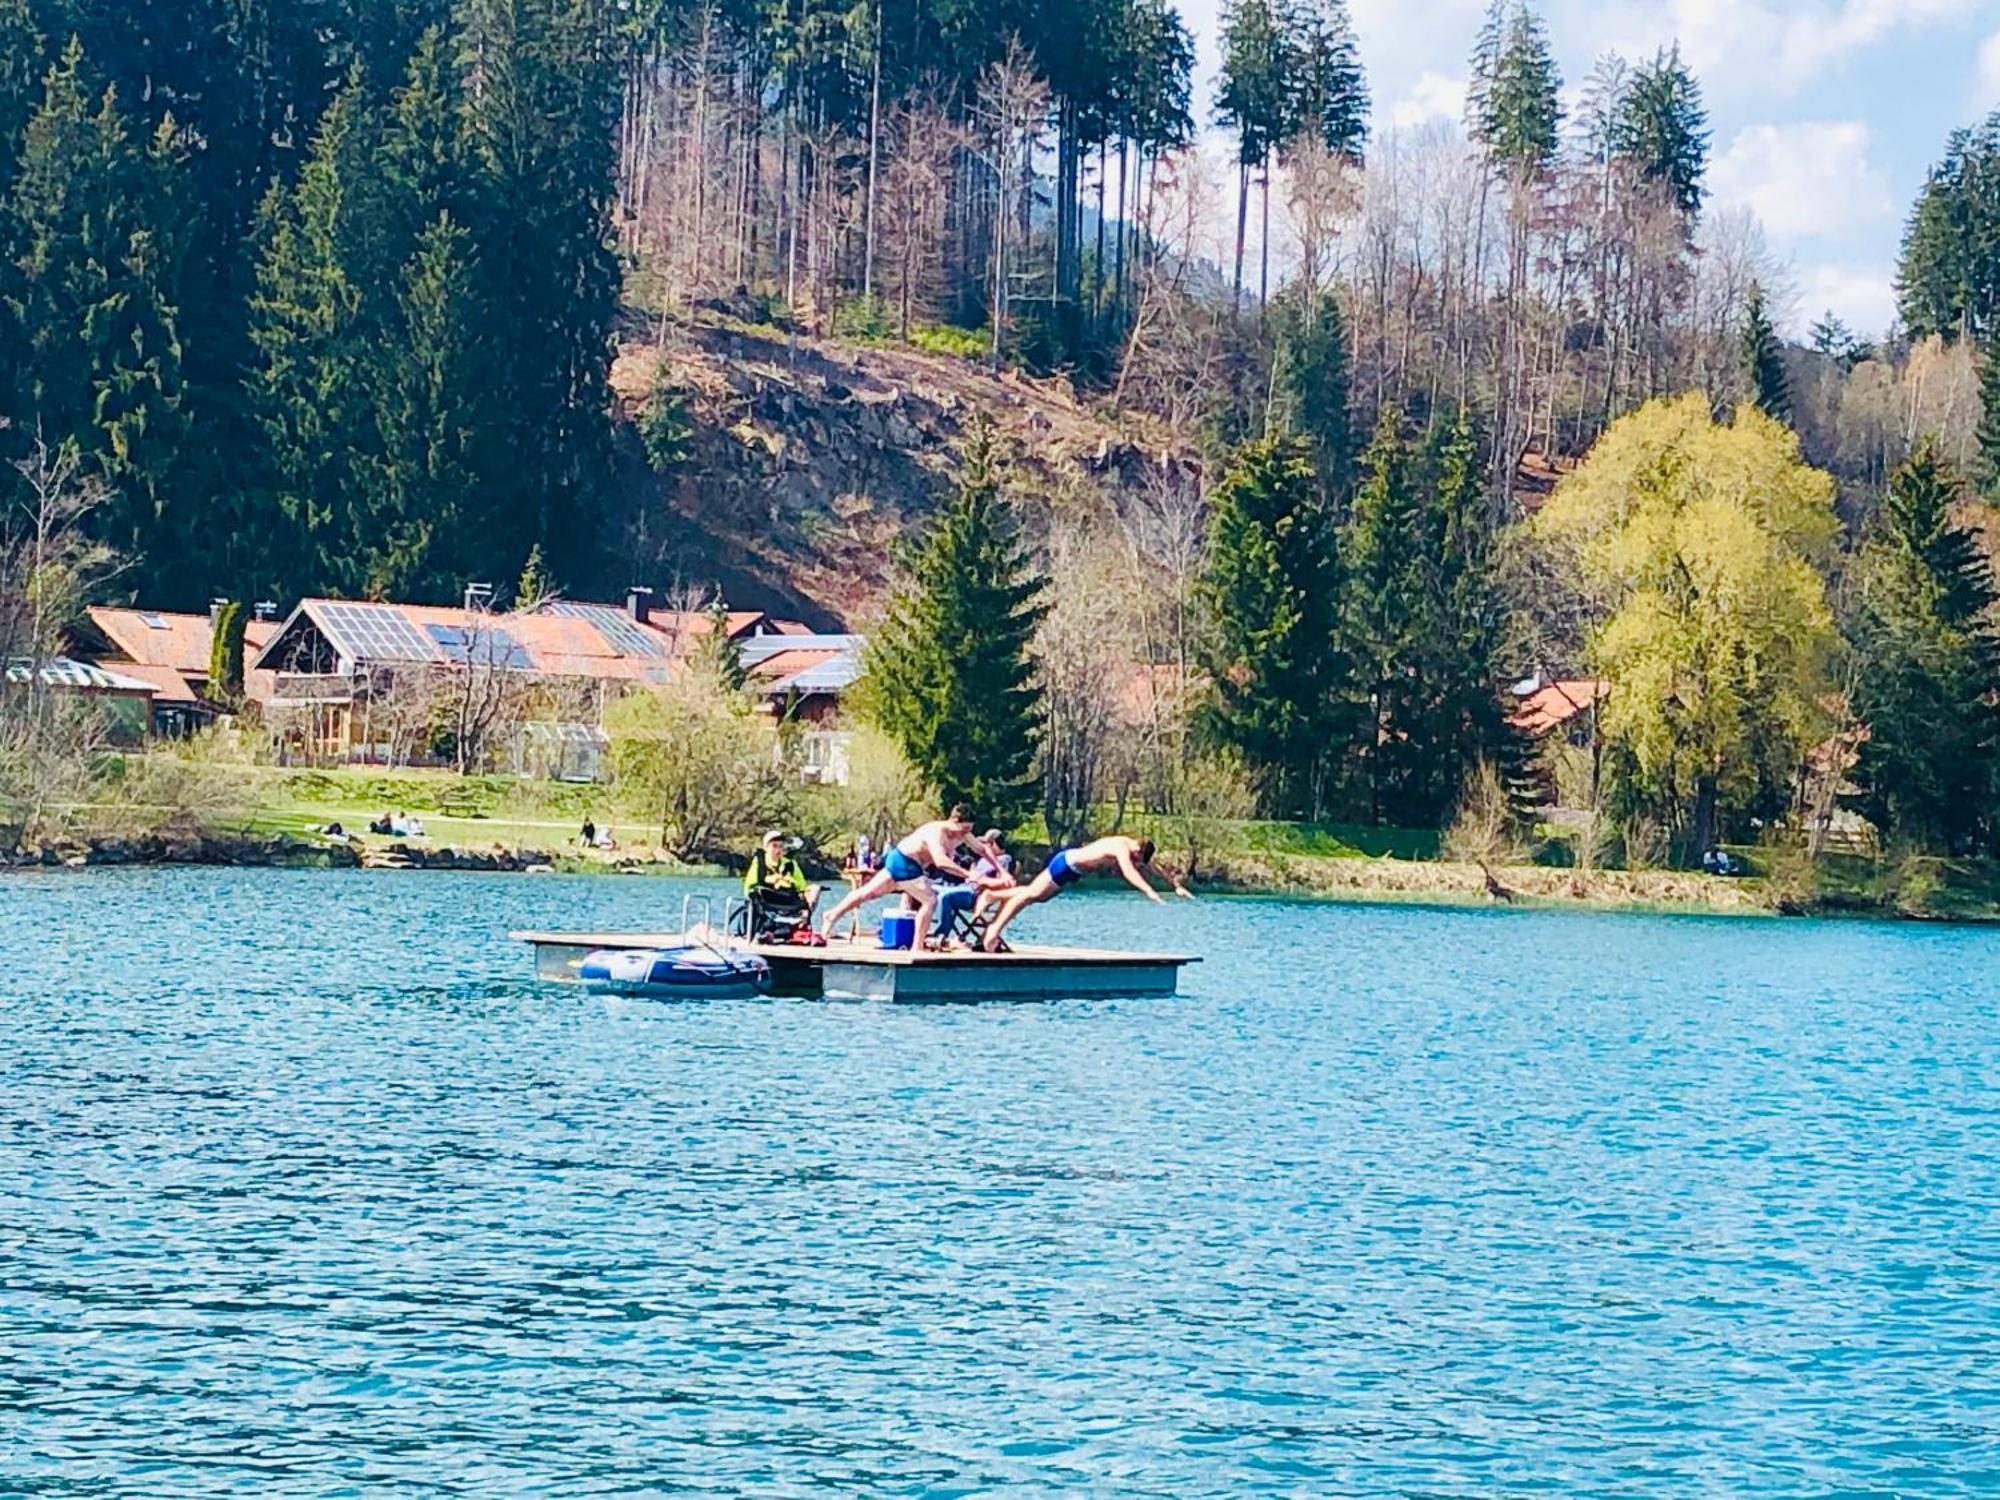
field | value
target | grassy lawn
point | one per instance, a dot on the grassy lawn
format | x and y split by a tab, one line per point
473	811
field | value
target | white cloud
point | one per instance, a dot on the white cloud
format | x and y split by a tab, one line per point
1813	41
1863	296
1805	178
1988	94
1434	96
1749	48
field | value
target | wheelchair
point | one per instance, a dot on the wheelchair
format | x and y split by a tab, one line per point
770	915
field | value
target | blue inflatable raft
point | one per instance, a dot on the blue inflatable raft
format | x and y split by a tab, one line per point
693	971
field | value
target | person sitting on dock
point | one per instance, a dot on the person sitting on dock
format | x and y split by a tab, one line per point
994	872
928	850
775	878
1131	858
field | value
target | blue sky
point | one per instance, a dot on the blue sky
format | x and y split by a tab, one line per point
1825	113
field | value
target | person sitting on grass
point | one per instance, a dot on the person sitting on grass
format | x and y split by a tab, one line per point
928	850
1129	857
775	877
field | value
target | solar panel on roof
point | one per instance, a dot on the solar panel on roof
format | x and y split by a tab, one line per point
621	632
626	636
374	633
490	646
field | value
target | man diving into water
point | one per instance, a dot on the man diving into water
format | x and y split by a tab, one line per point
1130	857
930	848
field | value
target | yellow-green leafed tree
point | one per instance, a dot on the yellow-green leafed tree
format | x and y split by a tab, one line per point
690	756
1700	547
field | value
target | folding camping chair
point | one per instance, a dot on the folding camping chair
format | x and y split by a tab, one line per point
967	924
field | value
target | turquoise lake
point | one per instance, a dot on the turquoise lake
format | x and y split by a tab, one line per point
308	1188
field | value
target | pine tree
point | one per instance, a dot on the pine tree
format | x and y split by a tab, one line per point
539	94
1388	620
417	502
535	587
310	389
225	655
1484	67
1661	129
1831	336
718	653
1520	109
1326	94
1948	280
1270	594
1930	674
1764	360
949	675
1465	723
84	308
20	78
1988	437
1309	384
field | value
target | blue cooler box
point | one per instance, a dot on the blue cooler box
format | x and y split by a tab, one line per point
899	929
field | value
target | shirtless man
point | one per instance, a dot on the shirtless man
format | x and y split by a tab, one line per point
908	867
1130	857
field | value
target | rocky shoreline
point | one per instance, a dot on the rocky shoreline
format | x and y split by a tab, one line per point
1363	880
278	851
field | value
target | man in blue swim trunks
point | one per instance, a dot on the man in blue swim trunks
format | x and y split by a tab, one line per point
1129	857
931	848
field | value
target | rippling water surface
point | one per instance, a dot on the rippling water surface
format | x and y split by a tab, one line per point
306	1187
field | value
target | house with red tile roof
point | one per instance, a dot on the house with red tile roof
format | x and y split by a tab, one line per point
170	651
346	679
1568	705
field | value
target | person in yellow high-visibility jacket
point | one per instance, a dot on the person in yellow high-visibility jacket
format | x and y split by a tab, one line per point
776	877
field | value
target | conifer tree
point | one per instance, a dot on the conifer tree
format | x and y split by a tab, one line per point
418	502
1270	592
1388	619
1831	336
310	389
1948	280
539	95
20	78
1988	436
1309	383
1929	688
535	587
225	655
1764	360
949	676
1661	130
719	653
84	311
1326	94
1520	110
1467	640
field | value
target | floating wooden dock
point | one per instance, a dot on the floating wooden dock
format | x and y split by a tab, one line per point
862	971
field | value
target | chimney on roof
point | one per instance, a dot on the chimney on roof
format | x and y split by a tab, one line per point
639	604
215	609
478	596
265	609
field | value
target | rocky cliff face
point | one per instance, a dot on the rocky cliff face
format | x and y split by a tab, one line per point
810	459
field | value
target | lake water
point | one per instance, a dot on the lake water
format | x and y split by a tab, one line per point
306	1187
